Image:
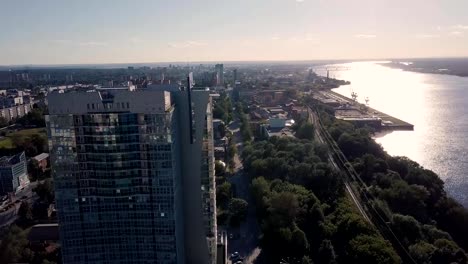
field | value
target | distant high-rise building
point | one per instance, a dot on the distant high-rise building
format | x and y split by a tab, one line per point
69	78
234	73
134	175
219	74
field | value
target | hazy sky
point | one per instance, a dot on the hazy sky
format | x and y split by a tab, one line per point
107	31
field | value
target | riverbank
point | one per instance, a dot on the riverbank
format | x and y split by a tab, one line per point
453	67
434	103
349	110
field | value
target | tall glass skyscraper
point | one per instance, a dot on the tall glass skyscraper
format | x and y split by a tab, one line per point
134	175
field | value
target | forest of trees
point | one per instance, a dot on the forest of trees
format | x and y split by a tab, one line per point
223	109
306	215
245	129
301	205
431	226
34	118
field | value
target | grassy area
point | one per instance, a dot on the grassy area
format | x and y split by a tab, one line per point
7	143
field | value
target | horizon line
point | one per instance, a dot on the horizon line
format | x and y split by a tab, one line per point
51	65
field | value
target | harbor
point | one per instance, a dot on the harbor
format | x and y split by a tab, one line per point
349	109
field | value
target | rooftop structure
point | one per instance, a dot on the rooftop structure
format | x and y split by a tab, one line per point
44	232
42	161
41	157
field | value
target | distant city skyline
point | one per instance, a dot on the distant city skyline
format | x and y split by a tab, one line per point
145	31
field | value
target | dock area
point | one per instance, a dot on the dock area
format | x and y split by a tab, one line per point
349	110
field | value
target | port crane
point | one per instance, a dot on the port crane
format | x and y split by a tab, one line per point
354	95
329	68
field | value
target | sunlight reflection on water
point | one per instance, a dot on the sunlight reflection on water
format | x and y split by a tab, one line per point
434	104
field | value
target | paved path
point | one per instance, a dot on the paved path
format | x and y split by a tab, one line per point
245	239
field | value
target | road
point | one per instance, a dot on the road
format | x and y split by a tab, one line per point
245	239
3	128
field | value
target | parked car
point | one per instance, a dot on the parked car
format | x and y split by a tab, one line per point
235	255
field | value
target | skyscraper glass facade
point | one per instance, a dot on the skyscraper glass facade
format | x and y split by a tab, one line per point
115	182
121	173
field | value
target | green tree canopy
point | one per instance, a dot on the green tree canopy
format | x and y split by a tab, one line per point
371	249
25	212
14	246
238	209
306	131
45	190
260	190
422	252
406	228
223	194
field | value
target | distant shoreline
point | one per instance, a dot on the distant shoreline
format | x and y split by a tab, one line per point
432	69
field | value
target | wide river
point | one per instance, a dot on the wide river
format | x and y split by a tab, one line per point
437	106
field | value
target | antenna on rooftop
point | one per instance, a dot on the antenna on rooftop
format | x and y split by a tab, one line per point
354	95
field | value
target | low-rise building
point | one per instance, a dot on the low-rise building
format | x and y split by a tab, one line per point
218	129
277	122
220	153
268	132
44	237
16	111
13	173
42	160
44	232
259	114
271	97
298	112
